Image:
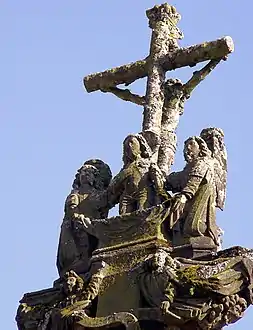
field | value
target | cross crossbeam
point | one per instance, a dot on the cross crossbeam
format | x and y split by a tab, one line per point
188	56
162	105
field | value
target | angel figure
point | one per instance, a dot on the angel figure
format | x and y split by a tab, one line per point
193	209
214	138
88	199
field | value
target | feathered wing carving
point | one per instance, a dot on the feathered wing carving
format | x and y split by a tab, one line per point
214	138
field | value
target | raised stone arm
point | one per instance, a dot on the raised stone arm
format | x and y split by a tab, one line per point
176	94
199	76
125	95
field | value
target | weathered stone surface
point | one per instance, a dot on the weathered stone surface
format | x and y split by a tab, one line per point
159	264
88	198
175	291
163	21
126	74
198	187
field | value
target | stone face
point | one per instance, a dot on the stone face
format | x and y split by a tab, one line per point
159	264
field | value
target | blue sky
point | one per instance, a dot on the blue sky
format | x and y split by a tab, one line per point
50	125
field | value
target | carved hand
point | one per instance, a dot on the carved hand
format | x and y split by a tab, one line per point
165	305
178	202
81	219
80	222
85	221
158	179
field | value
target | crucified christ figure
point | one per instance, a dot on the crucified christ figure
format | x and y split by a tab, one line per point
164	100
175	94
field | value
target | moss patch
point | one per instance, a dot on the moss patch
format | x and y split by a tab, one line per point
192	281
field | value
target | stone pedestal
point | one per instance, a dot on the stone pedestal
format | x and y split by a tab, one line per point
198	248
123	296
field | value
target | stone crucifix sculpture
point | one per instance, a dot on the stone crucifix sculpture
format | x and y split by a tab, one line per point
156	264
163	102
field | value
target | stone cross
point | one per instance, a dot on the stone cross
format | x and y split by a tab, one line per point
162	106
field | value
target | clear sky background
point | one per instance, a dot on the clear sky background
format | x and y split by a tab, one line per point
50	125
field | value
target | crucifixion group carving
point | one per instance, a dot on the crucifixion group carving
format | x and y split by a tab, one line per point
145	182
160	259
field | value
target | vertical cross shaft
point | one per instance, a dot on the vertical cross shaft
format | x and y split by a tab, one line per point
163	102
162	21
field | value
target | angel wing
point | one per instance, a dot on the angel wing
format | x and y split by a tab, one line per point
214	138
220	170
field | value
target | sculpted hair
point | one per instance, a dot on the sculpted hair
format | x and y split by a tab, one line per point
144	147
103	174
211	131
76	183
208	135
204	150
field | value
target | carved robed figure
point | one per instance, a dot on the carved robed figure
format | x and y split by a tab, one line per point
88	198
137	186
193	212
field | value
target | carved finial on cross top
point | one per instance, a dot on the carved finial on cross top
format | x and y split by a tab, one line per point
164	101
